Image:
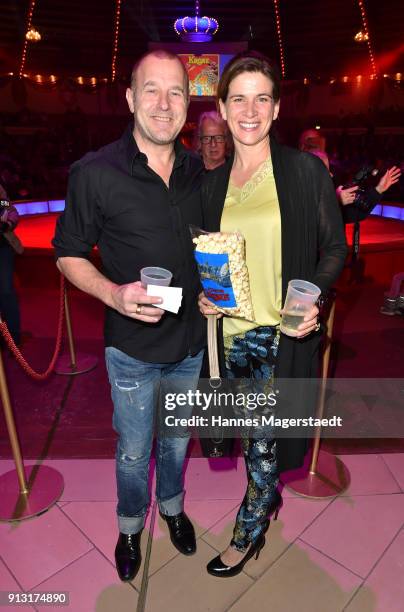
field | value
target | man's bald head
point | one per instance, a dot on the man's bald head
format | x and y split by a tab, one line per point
161	54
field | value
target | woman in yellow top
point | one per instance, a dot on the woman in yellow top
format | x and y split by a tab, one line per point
283	202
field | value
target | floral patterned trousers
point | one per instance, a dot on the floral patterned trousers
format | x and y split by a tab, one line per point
252	357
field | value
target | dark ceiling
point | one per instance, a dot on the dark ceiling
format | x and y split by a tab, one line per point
77	35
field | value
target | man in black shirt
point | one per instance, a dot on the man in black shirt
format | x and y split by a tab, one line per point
135	199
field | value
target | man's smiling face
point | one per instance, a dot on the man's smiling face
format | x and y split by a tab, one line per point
159	101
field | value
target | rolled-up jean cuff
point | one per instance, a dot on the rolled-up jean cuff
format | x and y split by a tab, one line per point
172	506
131	524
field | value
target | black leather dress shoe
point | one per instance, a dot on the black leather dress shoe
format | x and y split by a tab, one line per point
182	533
128	556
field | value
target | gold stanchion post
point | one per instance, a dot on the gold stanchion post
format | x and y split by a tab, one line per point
327	475
72	350
21	499
74	363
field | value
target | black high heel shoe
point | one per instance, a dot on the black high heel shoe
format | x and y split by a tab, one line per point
216	567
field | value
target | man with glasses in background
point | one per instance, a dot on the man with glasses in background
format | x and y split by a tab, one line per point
213	139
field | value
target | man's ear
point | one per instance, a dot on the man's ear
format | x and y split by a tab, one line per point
129	99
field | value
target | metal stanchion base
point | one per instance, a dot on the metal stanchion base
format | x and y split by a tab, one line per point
45	486
84	363
331	478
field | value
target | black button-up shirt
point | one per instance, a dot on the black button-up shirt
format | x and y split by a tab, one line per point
117	202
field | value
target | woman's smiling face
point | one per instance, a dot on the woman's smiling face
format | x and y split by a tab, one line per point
250	108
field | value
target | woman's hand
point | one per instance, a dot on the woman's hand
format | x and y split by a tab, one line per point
310	323
206	307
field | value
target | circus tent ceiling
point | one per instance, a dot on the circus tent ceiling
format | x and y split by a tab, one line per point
77	36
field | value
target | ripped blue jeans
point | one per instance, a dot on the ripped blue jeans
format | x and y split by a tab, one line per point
137	388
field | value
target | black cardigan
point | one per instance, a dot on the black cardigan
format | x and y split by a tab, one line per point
313	249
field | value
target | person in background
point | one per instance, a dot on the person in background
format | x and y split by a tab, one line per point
346	196
311	140
394	298
213	141
9	245
352	213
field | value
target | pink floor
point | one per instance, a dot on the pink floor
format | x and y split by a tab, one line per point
348	551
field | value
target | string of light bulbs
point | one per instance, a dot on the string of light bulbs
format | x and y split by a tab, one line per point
367	35
25	47
279	33
116	39
43	79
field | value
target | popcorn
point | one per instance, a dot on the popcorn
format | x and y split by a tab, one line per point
224	275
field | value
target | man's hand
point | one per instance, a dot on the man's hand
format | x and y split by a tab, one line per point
310	323
206	306
346	196
132	300
388	179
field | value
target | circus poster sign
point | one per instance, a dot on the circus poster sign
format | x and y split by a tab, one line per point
203	71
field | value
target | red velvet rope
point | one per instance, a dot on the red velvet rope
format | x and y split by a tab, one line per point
17	353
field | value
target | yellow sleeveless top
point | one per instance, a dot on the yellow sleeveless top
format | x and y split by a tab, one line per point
253	210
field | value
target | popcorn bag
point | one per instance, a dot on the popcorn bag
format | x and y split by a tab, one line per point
220	257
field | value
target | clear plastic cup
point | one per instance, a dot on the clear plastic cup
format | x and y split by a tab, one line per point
300	298
155	276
